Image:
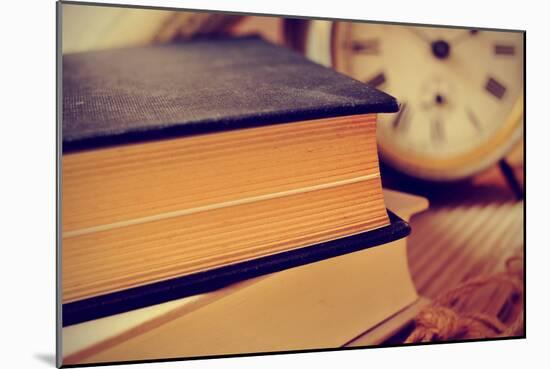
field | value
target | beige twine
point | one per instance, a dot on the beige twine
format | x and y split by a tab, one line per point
440	322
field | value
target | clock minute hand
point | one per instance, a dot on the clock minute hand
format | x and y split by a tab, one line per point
419	34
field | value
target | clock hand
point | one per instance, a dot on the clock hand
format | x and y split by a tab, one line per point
420	34
441	49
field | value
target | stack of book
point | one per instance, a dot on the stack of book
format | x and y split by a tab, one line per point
221	197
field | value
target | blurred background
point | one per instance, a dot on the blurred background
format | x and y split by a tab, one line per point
457	139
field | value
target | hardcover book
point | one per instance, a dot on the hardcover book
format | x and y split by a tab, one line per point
191	166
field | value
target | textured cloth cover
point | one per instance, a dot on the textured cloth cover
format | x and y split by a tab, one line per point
117	96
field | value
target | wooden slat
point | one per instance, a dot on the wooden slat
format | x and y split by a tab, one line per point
451	243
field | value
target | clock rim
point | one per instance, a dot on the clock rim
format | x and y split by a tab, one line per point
458	167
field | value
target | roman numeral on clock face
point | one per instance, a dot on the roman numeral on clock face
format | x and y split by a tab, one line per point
505	50
495	88
365	46
438	133
402	117
473	119
377	81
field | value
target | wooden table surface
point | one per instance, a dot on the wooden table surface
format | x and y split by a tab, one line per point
468	231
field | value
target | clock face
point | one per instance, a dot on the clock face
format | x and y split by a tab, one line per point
460	93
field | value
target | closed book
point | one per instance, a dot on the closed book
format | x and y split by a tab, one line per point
191	166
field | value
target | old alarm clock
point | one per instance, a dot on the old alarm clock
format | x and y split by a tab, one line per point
460	91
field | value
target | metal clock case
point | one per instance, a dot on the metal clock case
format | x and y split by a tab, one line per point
460	91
